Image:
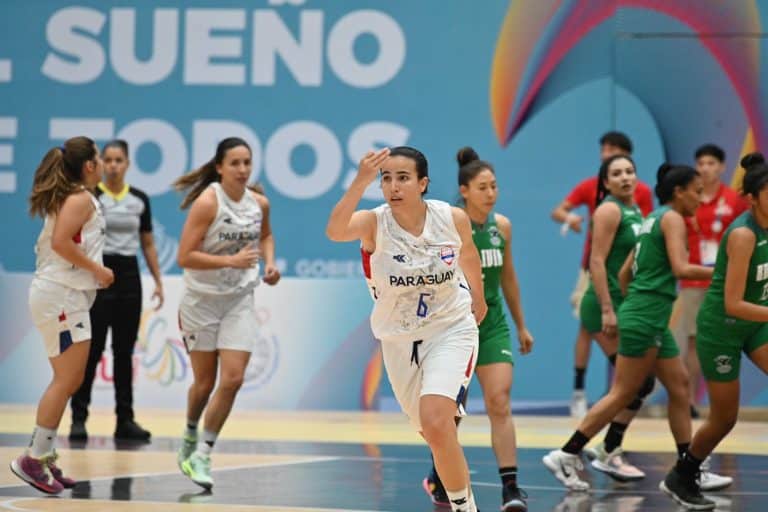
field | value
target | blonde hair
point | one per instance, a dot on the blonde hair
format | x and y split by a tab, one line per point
59	175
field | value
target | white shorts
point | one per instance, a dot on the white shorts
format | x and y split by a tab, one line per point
61	314
442	365
689	302
212	322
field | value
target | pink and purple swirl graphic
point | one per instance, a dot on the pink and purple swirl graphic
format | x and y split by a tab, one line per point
655	49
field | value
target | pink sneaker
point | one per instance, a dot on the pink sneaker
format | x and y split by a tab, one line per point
36	473
65	481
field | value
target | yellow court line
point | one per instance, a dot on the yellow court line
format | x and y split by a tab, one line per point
78	505
373	428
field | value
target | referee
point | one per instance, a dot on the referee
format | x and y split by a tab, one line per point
129	226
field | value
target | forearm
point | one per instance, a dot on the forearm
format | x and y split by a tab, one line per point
198	260
512	297
744	310
69	250
470	264
150	256
695	272
599	278
338	221
267	249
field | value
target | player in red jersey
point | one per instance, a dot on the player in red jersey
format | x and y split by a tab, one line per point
720	205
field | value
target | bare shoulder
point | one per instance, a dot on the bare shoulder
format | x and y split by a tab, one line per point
505	226
260	198
206	204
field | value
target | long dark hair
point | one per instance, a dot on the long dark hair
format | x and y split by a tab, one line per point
199	179
602	175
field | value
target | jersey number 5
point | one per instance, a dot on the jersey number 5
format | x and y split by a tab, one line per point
421	309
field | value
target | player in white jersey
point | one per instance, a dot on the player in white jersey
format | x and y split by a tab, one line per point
423	272
68	272
226	233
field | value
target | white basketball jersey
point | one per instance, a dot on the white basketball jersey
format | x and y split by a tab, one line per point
236	225
416	283
90	239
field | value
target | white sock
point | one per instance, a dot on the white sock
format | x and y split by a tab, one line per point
42	441
205	445
462	501
191	429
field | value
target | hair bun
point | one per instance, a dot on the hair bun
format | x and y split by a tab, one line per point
466	155
663	170
752	159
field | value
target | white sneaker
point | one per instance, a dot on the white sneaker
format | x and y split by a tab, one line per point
615	464
565	467
578	405
709	481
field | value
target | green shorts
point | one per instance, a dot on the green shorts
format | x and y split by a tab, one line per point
590	313
643	320
719	348
495	338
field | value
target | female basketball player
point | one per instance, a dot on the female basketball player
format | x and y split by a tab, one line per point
423	272
614	229
226	233
733	319
491	235
68	272
129	226
645	342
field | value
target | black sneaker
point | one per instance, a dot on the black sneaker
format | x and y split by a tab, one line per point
685	491
435	490
513	499
131	431
77	432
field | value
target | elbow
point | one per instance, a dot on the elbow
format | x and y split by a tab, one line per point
333	234
731	307
57	245
182	260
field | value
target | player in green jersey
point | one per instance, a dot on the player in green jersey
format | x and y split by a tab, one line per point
645	342
491	233
733	319
614	229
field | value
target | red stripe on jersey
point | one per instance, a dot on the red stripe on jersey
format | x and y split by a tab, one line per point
469	364
78	239
366	256
62	316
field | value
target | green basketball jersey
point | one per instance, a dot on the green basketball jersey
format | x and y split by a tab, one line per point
490	244
652	271
623	242
756	290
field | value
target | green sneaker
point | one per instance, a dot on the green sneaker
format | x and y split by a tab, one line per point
188	445
198	468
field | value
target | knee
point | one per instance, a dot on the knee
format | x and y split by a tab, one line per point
69	383
438	429
678	390
497	405
204	386
723	422
231	381
623	395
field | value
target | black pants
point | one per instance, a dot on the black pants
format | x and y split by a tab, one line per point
118	307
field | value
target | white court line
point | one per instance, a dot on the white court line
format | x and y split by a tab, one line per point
723	493
311	460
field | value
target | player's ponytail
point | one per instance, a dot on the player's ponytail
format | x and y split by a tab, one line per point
59	175
755	175
198	180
